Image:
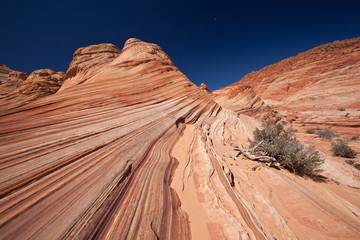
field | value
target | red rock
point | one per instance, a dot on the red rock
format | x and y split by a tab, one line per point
4	72
22	88
204	88
131	149
313	85
17	76
87	61
240	99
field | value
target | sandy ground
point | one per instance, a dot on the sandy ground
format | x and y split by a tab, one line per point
185	187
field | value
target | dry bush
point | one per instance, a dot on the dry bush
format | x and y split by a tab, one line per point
341	149
310	131
326	133
287	150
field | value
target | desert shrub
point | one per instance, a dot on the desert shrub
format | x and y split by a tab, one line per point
292	130
357	165
341	109
287	150
310	131
326	133
351	162
341	149
354	138
283	122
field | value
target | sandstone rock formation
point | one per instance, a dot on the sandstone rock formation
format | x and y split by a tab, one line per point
129	148
4	72
87	61
240	99
14	79
21	88
312	86
204	87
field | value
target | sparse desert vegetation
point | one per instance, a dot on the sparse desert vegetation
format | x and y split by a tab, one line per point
326	133
341	149
278	142
354	138
310	131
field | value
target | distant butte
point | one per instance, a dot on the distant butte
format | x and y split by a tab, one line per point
125	146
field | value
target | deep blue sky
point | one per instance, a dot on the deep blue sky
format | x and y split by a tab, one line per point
215	42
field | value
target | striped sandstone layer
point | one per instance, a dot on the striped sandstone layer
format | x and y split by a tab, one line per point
129	148
313	86
240	99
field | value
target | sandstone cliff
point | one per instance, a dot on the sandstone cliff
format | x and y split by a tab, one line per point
313	86
129	148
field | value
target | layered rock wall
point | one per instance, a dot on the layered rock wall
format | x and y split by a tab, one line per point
132	149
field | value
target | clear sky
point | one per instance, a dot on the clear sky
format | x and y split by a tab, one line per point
214	42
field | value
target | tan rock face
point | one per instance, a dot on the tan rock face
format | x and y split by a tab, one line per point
17	76
313	85
4	72
134	150
240	99
21	88
14	80
204	88
87	61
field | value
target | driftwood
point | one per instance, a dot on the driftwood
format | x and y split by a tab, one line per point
229	156
255	148
265	159
256	167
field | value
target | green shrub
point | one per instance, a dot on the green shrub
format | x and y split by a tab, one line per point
326	133
351	162
310	131
287	150
357	165
354	138
341	149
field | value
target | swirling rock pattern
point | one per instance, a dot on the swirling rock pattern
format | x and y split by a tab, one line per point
312	85
132	149
240	99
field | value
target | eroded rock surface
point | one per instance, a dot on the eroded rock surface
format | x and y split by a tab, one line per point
22	88
133	150
4	72
315	89
313	86
240	99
